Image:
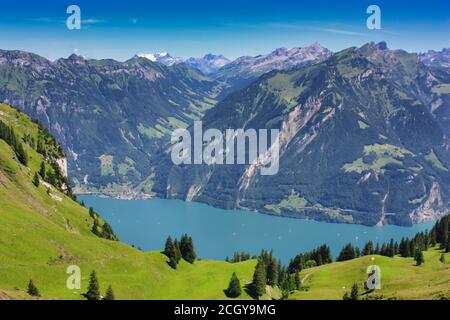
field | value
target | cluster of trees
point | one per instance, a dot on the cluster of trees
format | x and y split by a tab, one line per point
268	271
93	292
441	232
348	252
354	293
47	145
240	256
7	134
104	231
55	177
316	257
175	250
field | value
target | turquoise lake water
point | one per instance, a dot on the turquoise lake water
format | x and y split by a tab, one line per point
219	233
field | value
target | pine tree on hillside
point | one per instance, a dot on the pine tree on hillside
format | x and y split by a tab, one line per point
298	282
354	293
170	252
187	249
33	290
368	249
93	292
36	180
42	170
169	247
445	240
285	286
347	253
109	294
272	272
234	288
21	154
177	250
419	257
259	279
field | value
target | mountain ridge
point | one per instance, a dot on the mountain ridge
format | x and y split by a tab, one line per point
370	107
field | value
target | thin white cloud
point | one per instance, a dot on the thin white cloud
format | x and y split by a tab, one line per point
340	31
91	21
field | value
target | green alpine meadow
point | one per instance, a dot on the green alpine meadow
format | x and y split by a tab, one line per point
224	158
49	231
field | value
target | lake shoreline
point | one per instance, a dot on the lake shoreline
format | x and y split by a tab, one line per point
218	233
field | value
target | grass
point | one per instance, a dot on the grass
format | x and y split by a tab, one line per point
293	203
400	278
106	166
432	157
383	154
441	89
40	237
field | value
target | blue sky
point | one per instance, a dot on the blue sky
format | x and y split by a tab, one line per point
119	29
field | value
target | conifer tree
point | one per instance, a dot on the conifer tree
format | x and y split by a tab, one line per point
259	279
368	249
93	292
109	294
234	287
32	289
285	286
177	250
419	257
347	253
187	249
169	247
272	272
170	252
354	293
298	282
36	180
42	170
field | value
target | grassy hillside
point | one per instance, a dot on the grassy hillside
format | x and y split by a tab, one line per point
400	278
42	232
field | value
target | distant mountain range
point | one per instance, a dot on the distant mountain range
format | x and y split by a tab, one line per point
364	139
365	130
209	64
161	57
436	58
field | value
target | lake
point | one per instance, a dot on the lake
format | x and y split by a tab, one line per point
219	233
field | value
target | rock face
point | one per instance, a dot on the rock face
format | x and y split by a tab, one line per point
364	132
244	70
111	117
360	142
436	58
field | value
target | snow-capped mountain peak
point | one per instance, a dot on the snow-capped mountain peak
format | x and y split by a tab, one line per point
210	63
161	57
